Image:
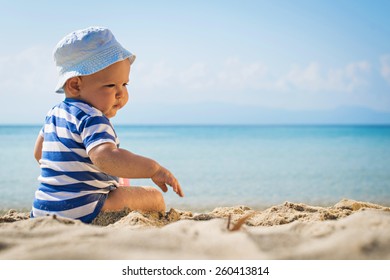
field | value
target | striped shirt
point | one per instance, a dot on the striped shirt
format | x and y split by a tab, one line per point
70	185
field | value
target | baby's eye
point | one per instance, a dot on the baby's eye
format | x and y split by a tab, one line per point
125	84
110	85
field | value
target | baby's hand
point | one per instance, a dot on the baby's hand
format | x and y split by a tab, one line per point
164	177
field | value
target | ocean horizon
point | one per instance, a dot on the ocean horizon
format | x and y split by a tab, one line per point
226	165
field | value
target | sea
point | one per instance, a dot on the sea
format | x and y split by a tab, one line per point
230	165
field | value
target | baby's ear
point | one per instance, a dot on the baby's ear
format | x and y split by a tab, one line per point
72	86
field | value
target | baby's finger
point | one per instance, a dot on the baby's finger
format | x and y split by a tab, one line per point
162	186
177	189
180	192
175	185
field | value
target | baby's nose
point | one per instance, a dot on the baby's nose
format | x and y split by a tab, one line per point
119	94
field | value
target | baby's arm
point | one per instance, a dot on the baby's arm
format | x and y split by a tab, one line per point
122	163
38	148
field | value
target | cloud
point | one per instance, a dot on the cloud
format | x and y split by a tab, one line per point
313	78
231	75
27	81
30	75
308	78
197	77
385	67
149	77
235	75
30	71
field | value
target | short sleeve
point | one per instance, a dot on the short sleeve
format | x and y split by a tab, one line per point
96	130
42	132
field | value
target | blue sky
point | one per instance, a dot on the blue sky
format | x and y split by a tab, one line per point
211	61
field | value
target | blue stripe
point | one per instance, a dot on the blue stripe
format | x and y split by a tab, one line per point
64	156
78	175
97	136
76	187
51	137
70	143
89	218
68	204
96	120
61	122
70	106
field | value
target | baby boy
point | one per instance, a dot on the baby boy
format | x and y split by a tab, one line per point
78	149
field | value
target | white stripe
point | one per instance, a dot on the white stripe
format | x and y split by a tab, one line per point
54	147
87	109
66	133
97	128
80	152
71	213
59	147
62	132
51	111
61	113
49	128
64	180
59	196
71	166
99	142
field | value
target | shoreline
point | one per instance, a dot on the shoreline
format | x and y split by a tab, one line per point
347	230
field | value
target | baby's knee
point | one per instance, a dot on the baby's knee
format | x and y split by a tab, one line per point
158	200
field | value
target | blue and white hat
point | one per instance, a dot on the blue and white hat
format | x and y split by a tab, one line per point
87	51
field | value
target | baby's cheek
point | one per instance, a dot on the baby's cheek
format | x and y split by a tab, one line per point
125	98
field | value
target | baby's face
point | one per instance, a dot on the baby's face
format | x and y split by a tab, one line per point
106	90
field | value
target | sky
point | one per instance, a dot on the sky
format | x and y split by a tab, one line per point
211	61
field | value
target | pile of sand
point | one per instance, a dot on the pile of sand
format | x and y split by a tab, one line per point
347	230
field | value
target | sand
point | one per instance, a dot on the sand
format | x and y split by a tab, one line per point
348	230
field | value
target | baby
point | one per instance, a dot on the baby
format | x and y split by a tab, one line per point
78	150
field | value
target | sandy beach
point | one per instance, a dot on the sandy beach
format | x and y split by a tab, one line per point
346	230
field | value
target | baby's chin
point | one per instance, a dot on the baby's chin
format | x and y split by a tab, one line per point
110	114
113	111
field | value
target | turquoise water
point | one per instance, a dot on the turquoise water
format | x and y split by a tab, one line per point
258	166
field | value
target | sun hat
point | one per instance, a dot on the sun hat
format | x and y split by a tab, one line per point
87	51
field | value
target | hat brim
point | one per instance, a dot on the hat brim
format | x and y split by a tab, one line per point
97	63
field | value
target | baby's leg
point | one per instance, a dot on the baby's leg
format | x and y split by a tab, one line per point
135	198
